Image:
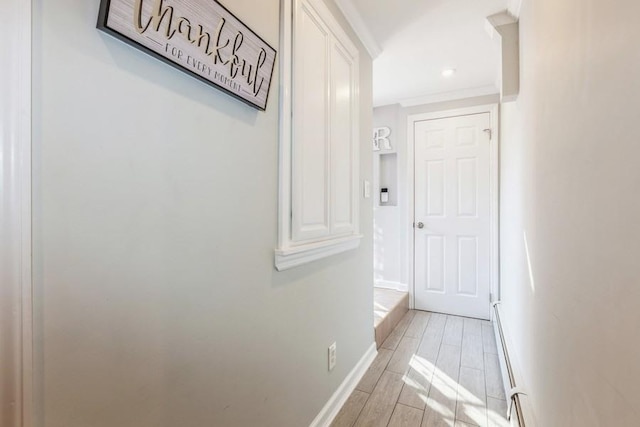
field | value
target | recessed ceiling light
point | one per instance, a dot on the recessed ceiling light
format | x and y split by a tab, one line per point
448	72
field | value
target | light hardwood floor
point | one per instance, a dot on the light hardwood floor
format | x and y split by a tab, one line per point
432	370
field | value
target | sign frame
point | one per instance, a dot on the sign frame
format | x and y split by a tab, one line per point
102	25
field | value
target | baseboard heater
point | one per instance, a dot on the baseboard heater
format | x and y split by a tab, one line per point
518	413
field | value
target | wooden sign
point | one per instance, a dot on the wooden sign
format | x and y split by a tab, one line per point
200	37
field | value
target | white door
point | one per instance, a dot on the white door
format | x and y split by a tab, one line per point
452	215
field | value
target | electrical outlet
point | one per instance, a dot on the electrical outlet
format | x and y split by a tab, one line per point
332	356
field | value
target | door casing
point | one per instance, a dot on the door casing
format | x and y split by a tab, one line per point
16	305
494	168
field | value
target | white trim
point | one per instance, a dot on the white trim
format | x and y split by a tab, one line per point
501	345
284	188
501	18
295	256
515	7
15	191
354	18
338	399
507	344
494	167
441	97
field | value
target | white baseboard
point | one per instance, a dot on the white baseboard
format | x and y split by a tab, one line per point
501	354
333	406
396	286
504	344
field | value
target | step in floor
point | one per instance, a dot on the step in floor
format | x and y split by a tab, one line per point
389	308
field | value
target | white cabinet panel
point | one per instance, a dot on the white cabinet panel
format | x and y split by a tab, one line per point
311	142
342	141
319	170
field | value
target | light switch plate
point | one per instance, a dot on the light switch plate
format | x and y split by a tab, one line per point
367	189
332	356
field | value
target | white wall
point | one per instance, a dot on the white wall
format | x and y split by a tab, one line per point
387	233
157	302
570	180
391	242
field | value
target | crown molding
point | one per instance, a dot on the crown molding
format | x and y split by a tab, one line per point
440	97
352	15
515	6
500	19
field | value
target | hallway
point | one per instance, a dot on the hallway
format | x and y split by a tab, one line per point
174	247
433	370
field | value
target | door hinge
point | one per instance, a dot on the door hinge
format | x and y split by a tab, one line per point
490	132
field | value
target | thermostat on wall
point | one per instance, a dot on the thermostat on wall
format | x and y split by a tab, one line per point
384	195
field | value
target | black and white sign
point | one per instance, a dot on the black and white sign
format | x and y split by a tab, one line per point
197	36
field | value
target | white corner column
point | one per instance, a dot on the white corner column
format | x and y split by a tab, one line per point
505	27
15	213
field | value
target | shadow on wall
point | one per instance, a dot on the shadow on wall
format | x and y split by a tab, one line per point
166	77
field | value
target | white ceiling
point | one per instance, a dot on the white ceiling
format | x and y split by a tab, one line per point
420	38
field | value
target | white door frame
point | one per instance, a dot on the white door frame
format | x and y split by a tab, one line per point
494	167
16	306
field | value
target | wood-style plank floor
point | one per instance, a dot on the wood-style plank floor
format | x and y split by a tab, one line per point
432	370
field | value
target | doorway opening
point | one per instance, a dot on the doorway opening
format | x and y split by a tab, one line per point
455	204
439	241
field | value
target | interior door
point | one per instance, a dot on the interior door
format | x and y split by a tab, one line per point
452	215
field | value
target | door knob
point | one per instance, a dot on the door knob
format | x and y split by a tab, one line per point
420	225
